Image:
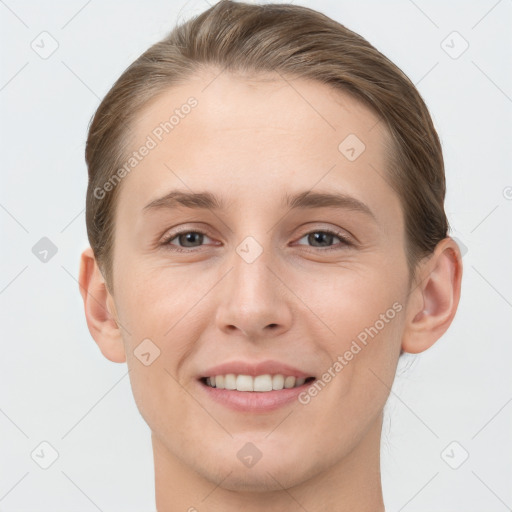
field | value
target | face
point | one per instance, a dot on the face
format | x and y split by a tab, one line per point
275	273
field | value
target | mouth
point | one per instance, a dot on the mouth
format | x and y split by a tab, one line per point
253	386
259	394
259	384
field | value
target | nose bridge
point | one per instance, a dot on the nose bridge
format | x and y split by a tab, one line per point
252	300
251	278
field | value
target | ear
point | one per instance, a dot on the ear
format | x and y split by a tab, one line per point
434	297
100	311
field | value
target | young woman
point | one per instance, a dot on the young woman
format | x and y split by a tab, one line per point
266	217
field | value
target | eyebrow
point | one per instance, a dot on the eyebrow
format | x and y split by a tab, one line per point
301	200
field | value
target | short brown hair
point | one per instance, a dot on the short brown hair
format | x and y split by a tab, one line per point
298	42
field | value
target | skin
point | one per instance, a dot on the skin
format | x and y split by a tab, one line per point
250	141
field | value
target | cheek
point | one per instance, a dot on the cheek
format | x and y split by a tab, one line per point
154	299
157	308
166	405
366	316
360	305
156	312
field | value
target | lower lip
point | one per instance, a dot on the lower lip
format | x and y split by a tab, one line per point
254	401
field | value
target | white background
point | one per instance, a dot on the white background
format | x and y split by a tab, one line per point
55	385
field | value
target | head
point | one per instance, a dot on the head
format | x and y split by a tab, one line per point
240	128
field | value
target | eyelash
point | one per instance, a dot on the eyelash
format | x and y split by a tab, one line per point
344	240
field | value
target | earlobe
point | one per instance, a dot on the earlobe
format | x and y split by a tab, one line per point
435	298
100	311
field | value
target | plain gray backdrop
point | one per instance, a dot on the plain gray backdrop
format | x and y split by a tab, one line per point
446	442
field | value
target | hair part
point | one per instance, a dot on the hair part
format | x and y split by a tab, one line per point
294	41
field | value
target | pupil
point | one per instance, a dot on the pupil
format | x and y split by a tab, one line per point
189	237
319	235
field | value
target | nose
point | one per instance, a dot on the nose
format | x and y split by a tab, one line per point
254	300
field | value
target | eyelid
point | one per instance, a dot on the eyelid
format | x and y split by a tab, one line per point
166	239
174	231
339	232
345	241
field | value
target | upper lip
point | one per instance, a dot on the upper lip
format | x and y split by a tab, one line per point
255	368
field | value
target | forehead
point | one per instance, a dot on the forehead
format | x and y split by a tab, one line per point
250	138
265	103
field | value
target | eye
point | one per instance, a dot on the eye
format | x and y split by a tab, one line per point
191	240
325	237
186	239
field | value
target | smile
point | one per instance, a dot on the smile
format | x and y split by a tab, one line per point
253	394
259	383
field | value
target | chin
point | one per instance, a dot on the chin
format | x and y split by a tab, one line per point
260	480
272	472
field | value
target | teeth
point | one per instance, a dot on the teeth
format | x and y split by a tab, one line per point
229	381
243	383
260	383
289	382
219	381
278	382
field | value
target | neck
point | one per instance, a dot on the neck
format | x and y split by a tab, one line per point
353	483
